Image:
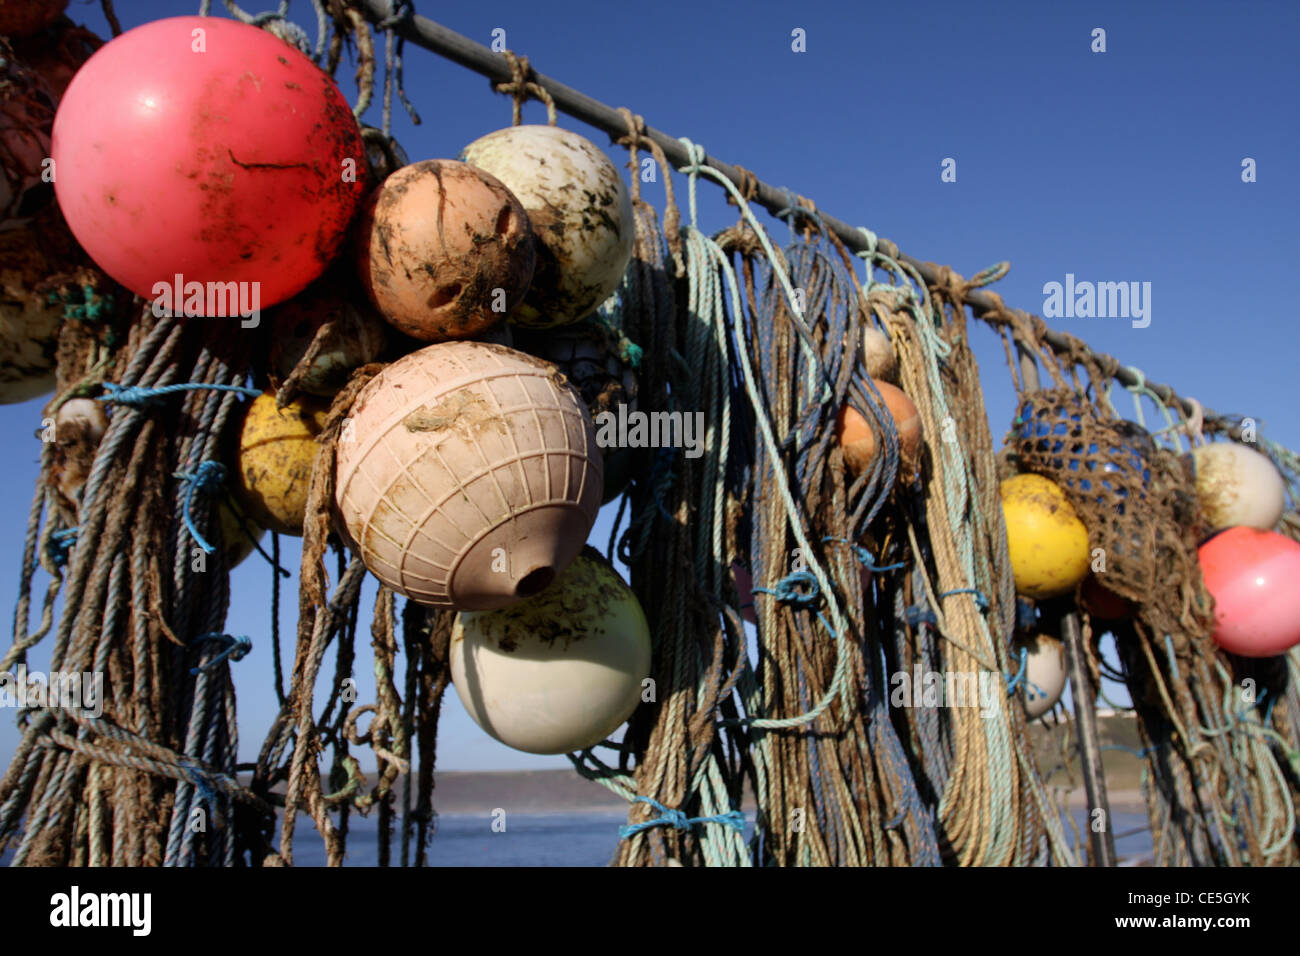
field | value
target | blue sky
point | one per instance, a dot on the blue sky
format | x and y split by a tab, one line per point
1115	166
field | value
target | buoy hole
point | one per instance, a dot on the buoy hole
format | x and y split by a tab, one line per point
535	582
505	219
445	295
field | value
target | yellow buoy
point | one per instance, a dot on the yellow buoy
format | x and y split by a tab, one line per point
1048	544
277	448
559	671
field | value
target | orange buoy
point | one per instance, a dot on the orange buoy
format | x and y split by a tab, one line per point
444	250
858	442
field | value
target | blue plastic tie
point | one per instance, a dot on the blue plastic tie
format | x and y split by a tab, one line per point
786	592
1014	682
237	649
679	820
208	477
61	545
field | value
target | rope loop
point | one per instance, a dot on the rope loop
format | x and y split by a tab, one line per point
208	477
523	86
236	649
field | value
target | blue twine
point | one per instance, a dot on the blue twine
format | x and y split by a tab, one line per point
237	649
679	820
785	590
61	545
208	477
1014	682
921	614
199	778
139	396
864	556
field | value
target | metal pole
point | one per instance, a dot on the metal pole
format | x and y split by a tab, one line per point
436	38
1083	693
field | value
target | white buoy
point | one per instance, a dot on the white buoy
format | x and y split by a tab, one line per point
557	672
1238	487
878	355
1045	673
581	214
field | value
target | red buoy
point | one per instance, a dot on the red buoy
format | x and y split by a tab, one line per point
208	149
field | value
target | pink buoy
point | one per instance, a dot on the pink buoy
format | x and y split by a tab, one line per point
208	149
469	477
1253	576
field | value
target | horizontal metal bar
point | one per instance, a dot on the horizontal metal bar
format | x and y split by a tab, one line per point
436	38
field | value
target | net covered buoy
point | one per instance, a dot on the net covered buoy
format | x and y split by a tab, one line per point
858	441
1045	673
444	250
27	105
1254	577
21	18
560	671
1046	541
354	337
602	372
581	214
33	259
206	148
1103	603
1237	486
277	449
470	477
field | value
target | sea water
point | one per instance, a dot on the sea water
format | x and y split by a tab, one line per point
561	839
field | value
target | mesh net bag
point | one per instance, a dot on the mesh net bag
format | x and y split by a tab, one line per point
1136	499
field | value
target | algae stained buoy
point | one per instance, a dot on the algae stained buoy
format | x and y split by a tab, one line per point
471	477
1046	541
1237	486
560	671
581	214
277	450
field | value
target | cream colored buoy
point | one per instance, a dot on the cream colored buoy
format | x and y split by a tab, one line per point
560	671
1238	487
79	426
1045	673
581	215
878	355
470	475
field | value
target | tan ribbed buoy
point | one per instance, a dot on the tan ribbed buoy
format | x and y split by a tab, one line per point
468	475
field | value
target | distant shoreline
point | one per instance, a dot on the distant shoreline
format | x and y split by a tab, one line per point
480	792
